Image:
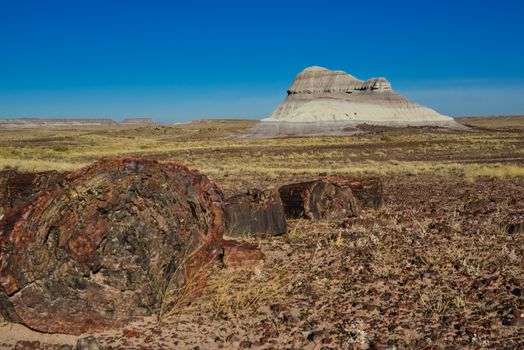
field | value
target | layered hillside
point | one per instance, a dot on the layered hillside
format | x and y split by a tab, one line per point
318	94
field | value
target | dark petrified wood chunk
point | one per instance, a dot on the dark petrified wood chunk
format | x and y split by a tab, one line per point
318	199
102	248
255	212
368	190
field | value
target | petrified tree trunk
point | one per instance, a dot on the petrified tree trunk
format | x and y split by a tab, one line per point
255	212
368	190
105	246
17	188
318	199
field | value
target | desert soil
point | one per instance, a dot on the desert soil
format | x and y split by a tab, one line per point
434	268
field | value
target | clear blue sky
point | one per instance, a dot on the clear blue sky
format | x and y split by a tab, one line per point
195	59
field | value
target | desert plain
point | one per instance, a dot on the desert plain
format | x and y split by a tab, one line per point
438	266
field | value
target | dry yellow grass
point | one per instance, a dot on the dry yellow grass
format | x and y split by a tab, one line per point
469	171
502	122
242	290
208	147
38	165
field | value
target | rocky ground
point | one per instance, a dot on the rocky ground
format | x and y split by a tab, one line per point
439	266
435	267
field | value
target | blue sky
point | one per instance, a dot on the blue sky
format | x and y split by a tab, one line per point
177	61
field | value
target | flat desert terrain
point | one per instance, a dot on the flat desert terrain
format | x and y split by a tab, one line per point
438	266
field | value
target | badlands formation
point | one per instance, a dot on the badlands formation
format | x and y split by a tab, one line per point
321	95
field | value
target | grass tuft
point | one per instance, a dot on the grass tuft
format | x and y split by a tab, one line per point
238	291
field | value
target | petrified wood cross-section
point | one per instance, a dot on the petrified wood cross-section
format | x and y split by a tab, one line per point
99	249
255	212
317	200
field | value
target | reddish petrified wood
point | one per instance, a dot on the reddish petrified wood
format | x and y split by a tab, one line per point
255	212
17	188
237	254
100	248
368	190
318	199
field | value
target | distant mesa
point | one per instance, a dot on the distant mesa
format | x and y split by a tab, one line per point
138	121
15	123
318	94
54	122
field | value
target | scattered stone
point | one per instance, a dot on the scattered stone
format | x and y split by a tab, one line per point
518	319
27	345
245	344
515	228
129	333
327	340
474	207
314	336
87	343
255	212
514	223
241	254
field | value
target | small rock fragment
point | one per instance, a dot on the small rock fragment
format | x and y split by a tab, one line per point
87	343
241	254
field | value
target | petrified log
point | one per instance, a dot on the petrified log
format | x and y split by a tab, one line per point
17	188
255	212
105	245
318	199
368	190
